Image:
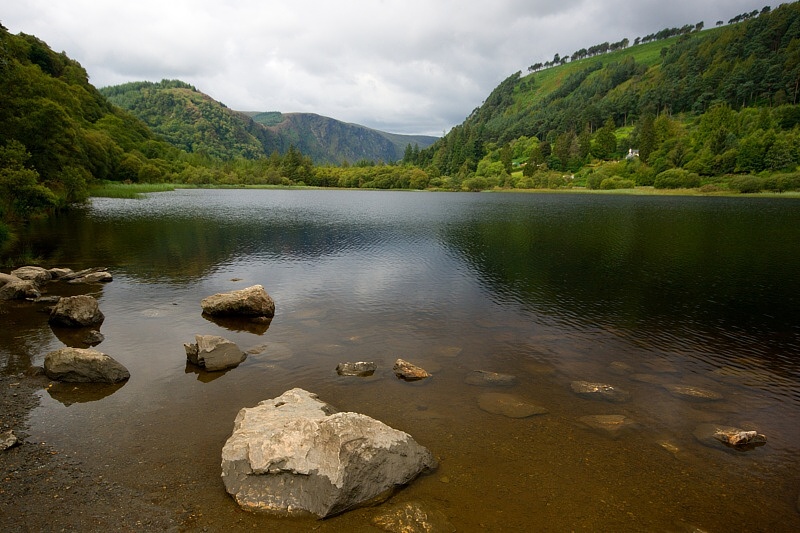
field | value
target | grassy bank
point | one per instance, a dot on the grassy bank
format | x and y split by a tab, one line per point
136	190
130	190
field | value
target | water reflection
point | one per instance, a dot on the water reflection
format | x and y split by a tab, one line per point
204	376
257	326
72	393
77	337
656	297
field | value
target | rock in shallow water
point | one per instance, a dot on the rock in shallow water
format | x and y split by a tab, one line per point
214	353
250	302
739	439
413	517
599	391
78	365
35	274
489	379
14	288
295	454
358	369
610	424
409	372
509	405
77	311
692	393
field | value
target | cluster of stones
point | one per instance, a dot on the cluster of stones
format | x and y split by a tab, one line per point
291	454
401	368
26	283
295	454
69	364
713	435
214	353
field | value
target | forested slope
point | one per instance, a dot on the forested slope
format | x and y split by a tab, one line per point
196	123
192	120
711	95
58	133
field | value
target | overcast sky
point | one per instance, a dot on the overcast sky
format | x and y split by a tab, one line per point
403	66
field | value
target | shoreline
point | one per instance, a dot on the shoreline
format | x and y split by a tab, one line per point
44	489
121	190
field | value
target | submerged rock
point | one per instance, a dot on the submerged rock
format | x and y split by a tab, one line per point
214	353
489	379
77	311
648	378
359	369
409	372
620	367
79	365
610	424
599	391
295	454
509	405
412	517
732	437
250	302
689	392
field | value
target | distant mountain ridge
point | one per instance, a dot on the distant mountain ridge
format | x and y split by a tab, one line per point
195	122
330	140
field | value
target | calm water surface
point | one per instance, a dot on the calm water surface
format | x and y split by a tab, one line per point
637	292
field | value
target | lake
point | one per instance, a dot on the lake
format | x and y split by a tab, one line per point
644	293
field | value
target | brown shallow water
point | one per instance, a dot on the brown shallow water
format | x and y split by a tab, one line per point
654	294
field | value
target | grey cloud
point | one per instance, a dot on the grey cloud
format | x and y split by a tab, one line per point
409	66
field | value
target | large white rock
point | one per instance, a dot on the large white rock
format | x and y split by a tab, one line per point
250	302
295	454
80	365
214	353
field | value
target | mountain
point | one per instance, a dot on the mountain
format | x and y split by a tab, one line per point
193	121
197	123
58	134
718	94
328	140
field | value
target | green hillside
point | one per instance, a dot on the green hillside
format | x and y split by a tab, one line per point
58	134
711	103
196	123
713	110
193	121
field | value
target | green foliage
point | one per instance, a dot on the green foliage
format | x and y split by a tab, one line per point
676	178
713	75
111	189
21	193
60	134
616	182
196	123
746	184
605	144
190	120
